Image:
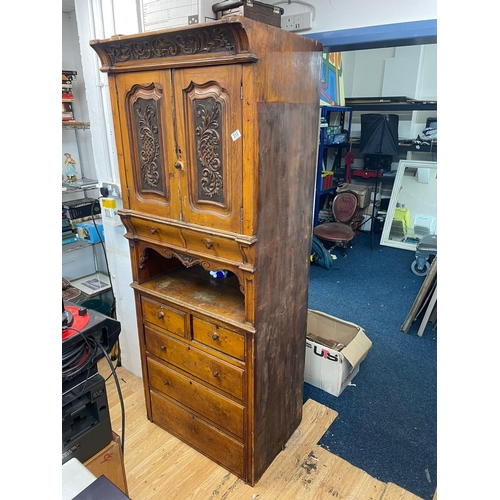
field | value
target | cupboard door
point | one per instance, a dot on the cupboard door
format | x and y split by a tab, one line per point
209	123
147	142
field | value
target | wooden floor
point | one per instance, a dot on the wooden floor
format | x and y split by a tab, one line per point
159	466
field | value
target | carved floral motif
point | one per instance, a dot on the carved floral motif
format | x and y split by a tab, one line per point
149	146
208	148
187	260
171	45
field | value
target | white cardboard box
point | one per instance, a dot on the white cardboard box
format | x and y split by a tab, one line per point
326	367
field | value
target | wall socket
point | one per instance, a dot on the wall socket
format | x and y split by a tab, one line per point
113	190
297	22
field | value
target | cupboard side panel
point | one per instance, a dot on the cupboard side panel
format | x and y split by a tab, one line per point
288	142
288	68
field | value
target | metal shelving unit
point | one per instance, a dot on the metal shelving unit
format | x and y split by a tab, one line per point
388	105
76	126
98	282
85	183
345	118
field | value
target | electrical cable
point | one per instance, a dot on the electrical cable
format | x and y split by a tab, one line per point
77	357
113	306
120	397
112	312
81	356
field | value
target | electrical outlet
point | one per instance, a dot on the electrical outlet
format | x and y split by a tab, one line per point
287	22
113	190
193	19
297	22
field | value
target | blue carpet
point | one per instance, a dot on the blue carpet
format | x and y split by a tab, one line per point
387	421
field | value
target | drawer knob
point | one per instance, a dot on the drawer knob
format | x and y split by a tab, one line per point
215	336
163	348
160	315
178	164
208	243
215	374
152	230
165	382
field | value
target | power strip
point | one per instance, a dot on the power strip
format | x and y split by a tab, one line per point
297	22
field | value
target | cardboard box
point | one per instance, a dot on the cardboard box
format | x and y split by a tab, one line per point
109	461
362	192
334	350
87	231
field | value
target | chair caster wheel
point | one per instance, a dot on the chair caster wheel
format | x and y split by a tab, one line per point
420	272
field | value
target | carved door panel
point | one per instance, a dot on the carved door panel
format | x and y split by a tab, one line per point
147	142
209	126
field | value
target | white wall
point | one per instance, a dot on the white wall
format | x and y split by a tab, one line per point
409	71
104	18
71	60
331	15
98	19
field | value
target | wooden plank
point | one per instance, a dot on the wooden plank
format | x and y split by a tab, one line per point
394	492
428	311
421	296
323	475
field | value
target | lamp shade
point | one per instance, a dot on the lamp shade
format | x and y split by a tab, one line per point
379	134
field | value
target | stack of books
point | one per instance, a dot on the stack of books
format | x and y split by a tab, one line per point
69	234
68	77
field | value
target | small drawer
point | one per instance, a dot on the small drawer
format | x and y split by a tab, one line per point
164	316
211	245
156	231
183	355
217	337
213	443
220	410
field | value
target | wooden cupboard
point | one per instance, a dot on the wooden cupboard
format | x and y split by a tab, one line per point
216	130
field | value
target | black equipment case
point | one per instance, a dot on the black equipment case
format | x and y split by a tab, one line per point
258	11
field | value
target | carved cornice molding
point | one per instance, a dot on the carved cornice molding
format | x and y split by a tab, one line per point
167	45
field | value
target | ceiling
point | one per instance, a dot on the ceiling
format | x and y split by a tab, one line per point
68	5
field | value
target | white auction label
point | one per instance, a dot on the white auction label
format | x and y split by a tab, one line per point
235	135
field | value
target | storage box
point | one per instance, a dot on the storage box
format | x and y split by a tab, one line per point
87	231
334	351
109	461
362	192
258	11
326	179
334	135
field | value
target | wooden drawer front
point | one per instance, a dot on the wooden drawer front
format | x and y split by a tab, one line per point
212	245
156	231
217	337
214	371
207	439
211	405
163	316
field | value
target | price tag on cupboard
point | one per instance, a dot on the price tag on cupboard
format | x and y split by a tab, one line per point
235	135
